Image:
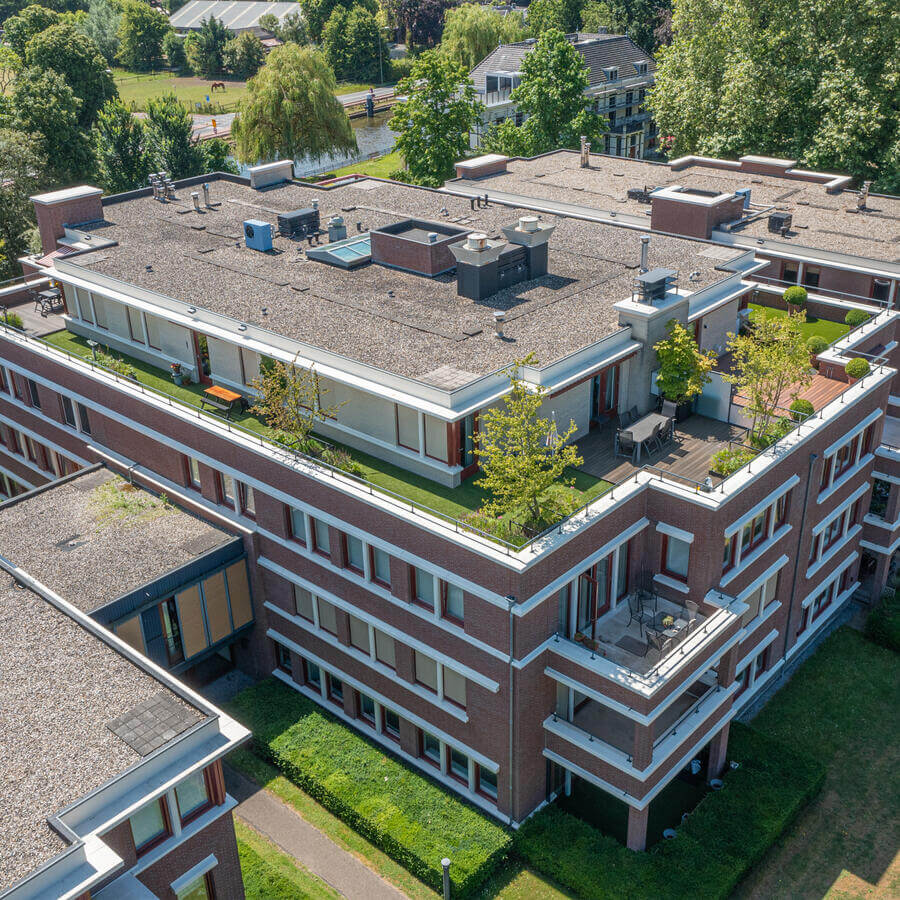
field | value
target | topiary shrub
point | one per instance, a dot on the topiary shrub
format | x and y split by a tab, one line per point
857	368
816	345
855	318
795	297
801	410
725	462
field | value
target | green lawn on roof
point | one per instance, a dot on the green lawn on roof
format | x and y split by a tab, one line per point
455	502
831	331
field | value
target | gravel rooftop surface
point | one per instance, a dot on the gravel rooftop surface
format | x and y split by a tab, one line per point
820	220
75	541
59	687
423	325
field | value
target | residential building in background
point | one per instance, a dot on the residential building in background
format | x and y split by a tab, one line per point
619	76
510	671
113	783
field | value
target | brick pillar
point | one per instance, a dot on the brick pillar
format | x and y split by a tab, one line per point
400	579
336	539
405	662
637	828
880	576
350	707
718	750
727	667
642	752
343	626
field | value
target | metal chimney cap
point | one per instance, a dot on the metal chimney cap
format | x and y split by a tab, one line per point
432	237
499	315
528	223
476	241
645	239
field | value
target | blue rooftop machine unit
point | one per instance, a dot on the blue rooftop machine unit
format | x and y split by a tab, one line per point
258	235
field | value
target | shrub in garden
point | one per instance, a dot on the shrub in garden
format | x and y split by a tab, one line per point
724	462
855	318
883	623
14	320
795	297
816	345
801	410
857	368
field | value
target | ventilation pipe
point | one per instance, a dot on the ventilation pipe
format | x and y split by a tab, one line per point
863	195
195	196
206	195
585	153
645	249
499	318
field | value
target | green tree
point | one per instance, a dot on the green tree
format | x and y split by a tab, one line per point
472	31
21	28
551	95
122	162
683	369
598	15
9	8
434	120
216	157
770	367
205	54
102	27
561	15
244	54
354	46
22	167
423	21
10	66
291	28
141	33
167	138
290	110
43	105
318	12
522	456
173	48
816	82
65	49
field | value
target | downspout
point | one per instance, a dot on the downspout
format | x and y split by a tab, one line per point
812	461
512	603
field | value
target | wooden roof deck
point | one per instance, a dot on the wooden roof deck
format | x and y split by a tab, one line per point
696	439
820	392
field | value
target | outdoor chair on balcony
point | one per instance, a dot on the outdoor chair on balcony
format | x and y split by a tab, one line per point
625	444
654	442
633	412
692	615
623	419
637	612
660	642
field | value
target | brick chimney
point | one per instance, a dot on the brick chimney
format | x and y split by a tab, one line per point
691	212
70	206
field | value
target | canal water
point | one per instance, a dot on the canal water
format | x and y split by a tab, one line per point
373	137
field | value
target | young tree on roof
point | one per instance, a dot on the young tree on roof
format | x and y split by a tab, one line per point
290	109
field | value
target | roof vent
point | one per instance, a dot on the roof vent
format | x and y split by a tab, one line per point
779	221
528	223
337	230
476	241
745	193
863	197
195	197
432	237
499	319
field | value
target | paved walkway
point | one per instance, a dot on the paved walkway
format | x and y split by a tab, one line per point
273	818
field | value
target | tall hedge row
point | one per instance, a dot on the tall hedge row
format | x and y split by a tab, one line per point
406	814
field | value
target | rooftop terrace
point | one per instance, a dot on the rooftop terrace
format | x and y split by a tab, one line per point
823	220
393	319
94	537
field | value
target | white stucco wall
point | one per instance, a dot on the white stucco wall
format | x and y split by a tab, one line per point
715	327
361	411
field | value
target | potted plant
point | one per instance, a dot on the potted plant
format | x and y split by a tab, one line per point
816	345
683	368
177	373
795	298
856	369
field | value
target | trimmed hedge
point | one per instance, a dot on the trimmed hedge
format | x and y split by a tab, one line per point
406	814
722	839
883	623
856	317
857	368
795	296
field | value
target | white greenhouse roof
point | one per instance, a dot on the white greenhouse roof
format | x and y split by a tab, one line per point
238	15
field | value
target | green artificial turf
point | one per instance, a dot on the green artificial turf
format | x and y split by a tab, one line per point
831	331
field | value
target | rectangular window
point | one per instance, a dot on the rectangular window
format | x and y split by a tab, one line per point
283	659
385	651
743	680
391	723
193	473
822	602
4	384
83	421
729	553
84	305
150	825
487	782
459	765
367	708
781	509
193	797
153	338
327	616
833	532
135	325
303	603
843	459
754	532
248	500
454	687
867	440
100	312
226	490
359	634
68	411
34	398
171	628
452	601
431	749
312	674
814	548
426	671
622	570
761	663
296	521
354	552
811	276
336	689
321	538
381	566
200	888
676	557
423	587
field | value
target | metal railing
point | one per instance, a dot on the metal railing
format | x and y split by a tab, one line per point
693	710
828	292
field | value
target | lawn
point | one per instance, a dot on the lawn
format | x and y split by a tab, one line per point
840	708
422	492
377	168
270	874
831	331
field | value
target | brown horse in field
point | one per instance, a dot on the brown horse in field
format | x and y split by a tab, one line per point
217	85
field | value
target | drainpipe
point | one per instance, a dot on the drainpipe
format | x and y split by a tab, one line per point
511	601
812	461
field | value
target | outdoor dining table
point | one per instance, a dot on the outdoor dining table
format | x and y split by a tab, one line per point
643	429
49	300
222	399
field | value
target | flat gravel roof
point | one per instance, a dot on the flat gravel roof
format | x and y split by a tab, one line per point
396	320
94	538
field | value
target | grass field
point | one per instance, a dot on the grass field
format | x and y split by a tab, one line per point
377	168
270	874
831	331
841	709
137	88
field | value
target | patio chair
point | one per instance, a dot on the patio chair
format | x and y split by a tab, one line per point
668	409
659	642
633	412
636	611
625	445
623	419
692	610
654	442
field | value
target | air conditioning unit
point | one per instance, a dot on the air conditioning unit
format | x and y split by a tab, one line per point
258	235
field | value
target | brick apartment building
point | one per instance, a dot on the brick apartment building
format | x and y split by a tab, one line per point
508	673
619	75
112	769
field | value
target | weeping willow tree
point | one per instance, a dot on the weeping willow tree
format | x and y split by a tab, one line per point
290	110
